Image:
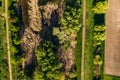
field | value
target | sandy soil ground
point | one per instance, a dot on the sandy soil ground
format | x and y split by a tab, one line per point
112	43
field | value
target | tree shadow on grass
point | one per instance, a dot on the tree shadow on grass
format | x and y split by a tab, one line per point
99	19
97	78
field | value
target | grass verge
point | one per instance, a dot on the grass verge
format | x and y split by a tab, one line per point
78	52
89	48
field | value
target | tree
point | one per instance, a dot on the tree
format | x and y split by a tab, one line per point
99	34
100	7
48	66
97	60
14	28
3	51
69	26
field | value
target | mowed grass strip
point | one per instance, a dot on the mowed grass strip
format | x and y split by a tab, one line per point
78	54
89	48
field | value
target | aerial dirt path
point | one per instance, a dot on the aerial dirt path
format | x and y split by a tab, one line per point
83	39
7	39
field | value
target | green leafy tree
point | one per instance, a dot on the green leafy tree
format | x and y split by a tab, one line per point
97	60
48	66
100	7
99	34
67	31
70	24
3	52
14	28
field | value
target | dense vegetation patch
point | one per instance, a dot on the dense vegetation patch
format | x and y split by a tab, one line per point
3	51
65	38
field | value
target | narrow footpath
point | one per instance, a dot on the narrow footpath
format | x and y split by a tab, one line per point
7	39
83	38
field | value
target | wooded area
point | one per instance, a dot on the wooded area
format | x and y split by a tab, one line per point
52	40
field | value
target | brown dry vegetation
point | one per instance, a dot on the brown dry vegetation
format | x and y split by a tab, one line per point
67	57
32	24
68	60
37	20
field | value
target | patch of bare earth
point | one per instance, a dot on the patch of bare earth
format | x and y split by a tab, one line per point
112	43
